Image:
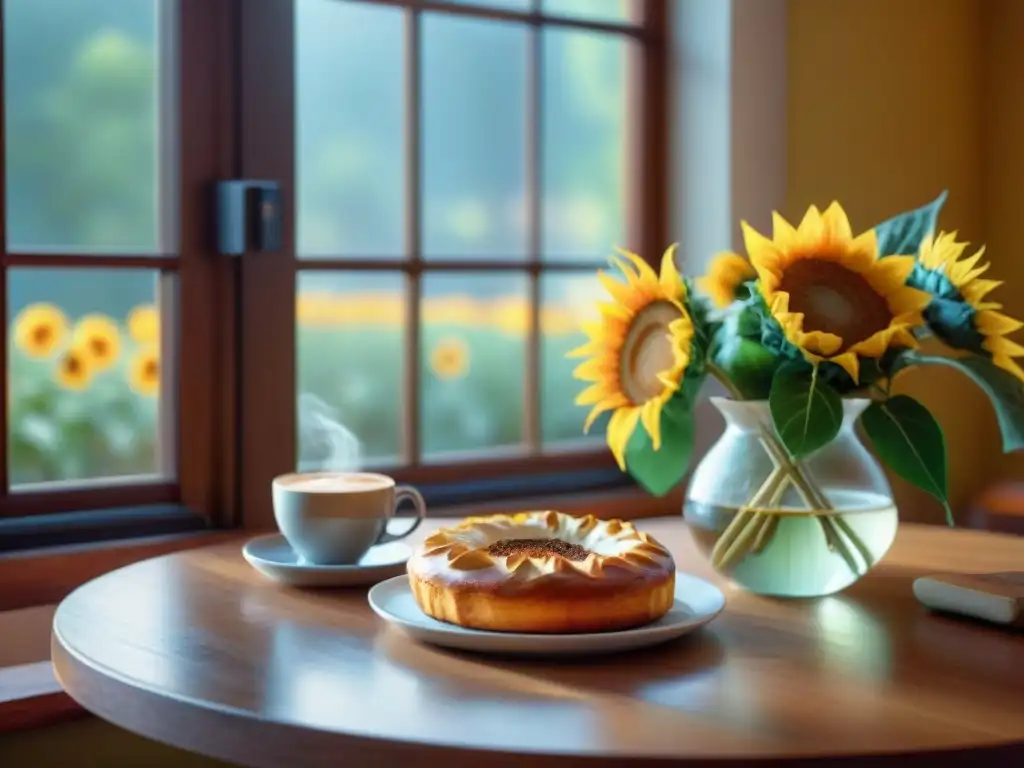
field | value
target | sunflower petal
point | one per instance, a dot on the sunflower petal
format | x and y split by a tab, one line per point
862	252
836	224
976	290
620	292
1000	346
888	275
907	301
783	233
812	228
1009	365
643	269
996	323
585	350
961	271
763	253
650	417
625	268
671	281
592	395
620	429
926	253
611	311
821	343
875	345
595	369
850	363
617	401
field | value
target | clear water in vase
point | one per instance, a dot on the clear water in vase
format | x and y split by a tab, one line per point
797	560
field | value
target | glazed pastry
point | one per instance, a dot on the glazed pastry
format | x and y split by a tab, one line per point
543	572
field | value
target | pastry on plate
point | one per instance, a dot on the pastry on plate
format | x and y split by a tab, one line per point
543	572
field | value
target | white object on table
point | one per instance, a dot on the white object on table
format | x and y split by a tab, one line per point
273	556
995	597
697	603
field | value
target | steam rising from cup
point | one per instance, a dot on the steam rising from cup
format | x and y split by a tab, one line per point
325	444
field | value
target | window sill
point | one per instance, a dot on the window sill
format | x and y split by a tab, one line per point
30	577
45	576
31	697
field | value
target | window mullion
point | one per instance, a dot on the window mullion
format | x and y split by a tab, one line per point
4	358
410	406
267	416
647	186
532	373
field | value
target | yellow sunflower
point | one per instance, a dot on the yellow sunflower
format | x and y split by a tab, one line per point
39	330
638	350
99	338
74	369
144	374
726	273
958	312
449	359
831	294
144	324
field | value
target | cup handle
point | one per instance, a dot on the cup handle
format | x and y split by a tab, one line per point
402	493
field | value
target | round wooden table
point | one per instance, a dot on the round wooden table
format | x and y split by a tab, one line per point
199	651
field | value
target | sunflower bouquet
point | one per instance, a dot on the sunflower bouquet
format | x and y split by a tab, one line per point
807	318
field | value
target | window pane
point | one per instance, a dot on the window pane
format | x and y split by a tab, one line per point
82	95
473	341
350	331
349	118
83	373
567	301
474	107
614	11
584	140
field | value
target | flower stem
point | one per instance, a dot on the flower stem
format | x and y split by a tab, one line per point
725	381
752	529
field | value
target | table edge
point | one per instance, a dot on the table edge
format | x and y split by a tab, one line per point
98	690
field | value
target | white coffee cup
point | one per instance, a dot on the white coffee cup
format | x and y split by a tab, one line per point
333	518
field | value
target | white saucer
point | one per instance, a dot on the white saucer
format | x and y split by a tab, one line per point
697	603
272	556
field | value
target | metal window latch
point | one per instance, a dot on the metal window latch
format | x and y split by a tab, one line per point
248	216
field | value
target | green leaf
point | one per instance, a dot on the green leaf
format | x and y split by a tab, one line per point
658	472
806	411
903	233
749	366
1003	389
910	441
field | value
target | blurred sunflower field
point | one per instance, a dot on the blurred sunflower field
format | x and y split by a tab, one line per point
83	394
472	368
84	391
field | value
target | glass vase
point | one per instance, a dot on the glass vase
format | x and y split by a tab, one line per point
789	528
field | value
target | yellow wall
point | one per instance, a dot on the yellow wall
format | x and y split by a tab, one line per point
1004	158
891	101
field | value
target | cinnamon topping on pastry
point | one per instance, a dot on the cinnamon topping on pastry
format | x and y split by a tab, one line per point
538	548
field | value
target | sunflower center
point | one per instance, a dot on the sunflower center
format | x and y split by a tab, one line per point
647	351
151	370
41	334
72	365
99	347
835	300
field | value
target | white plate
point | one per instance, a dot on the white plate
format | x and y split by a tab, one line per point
273	557
697	603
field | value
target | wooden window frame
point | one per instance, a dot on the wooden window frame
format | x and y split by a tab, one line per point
268	281
196	69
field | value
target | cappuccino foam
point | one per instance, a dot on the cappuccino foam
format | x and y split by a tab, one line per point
337	483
